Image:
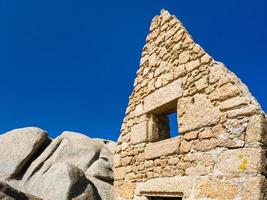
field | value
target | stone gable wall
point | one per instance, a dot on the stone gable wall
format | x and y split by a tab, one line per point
220	152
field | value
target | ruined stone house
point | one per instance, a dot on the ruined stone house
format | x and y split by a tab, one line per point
220	150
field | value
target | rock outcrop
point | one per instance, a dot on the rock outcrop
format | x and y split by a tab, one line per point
18	147
9	193
72	166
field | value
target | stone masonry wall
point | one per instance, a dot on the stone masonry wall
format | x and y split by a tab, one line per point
220	152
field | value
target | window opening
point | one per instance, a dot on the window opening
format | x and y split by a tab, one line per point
173	125
163	126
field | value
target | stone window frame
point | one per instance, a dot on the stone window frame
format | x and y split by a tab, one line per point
159	127
161	101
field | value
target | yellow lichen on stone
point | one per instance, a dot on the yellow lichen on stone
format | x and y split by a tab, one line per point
243	164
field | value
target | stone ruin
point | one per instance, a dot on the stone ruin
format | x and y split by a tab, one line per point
220	152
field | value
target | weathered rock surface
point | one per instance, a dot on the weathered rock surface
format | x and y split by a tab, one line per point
63	181
72	166
9	193
18	147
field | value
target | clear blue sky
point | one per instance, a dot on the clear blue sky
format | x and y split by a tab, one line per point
70	65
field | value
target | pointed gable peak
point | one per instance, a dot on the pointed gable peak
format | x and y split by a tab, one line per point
162	19
169	52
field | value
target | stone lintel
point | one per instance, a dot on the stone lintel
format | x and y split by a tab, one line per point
161	100
178	186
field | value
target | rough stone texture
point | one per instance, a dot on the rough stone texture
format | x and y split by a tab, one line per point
245	160
216	189
17	148
159	149
166	186
197	112
139	133
9	193
72	166
104	189
162	96
221	148
253	188
127	190
63	181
